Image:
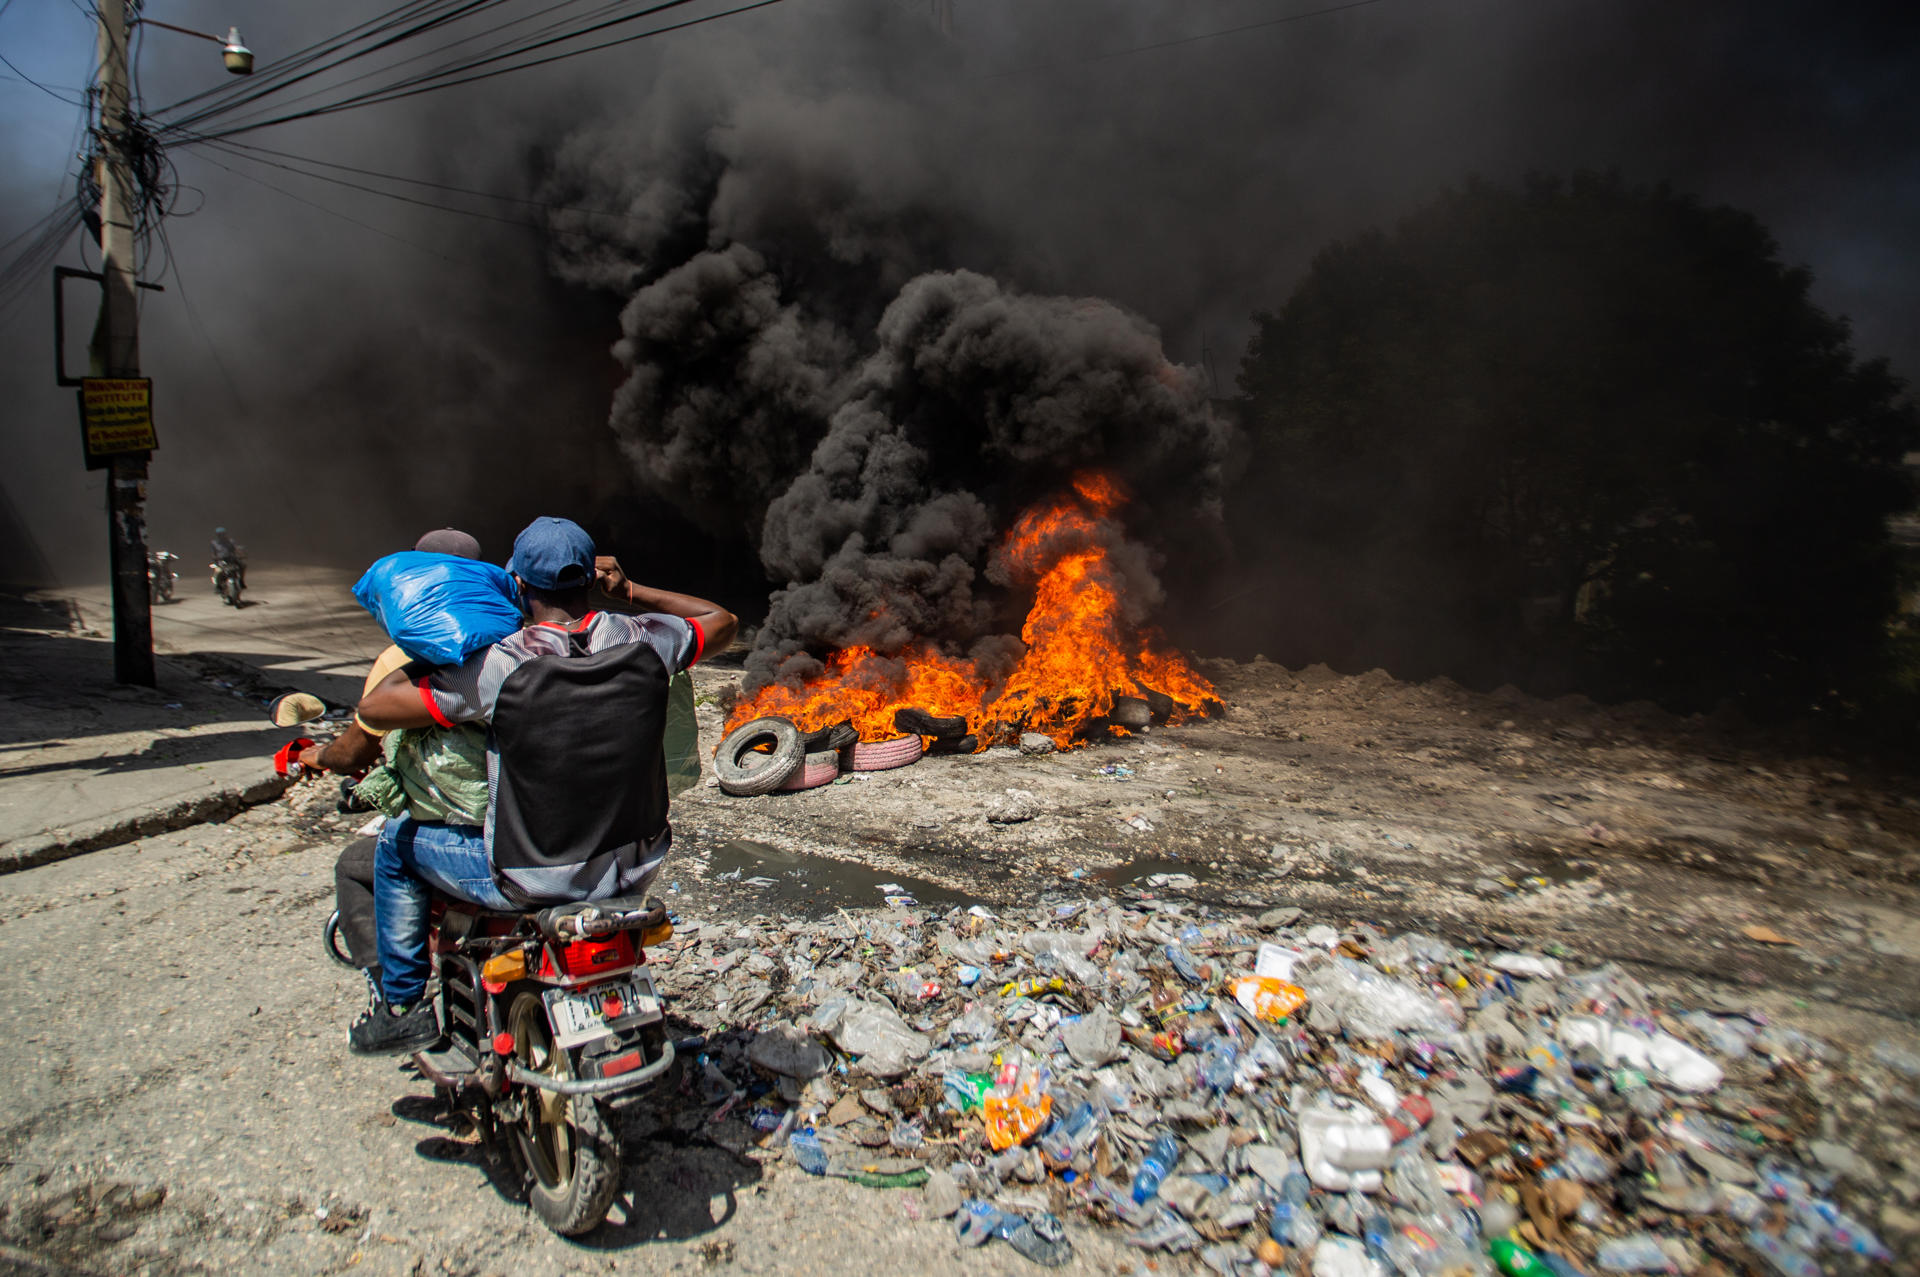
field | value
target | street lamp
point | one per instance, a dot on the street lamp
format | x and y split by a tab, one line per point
237	56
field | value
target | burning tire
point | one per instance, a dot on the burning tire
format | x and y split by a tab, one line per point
837	737
1131	712
955	745
921	723
819	768
745	770
879	756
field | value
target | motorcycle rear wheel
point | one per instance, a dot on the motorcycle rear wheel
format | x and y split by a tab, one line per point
568	1146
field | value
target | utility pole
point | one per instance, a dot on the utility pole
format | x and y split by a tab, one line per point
115	352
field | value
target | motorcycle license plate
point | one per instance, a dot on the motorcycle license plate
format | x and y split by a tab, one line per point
582	1017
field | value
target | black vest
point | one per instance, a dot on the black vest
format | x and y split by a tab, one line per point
580	782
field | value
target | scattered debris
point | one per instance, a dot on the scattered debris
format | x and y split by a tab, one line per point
1271	1095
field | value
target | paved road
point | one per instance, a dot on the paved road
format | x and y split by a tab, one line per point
86	763
298	624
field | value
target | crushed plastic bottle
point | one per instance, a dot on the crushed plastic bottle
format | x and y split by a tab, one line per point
1217	1066
975	1222
807	1151
1786	1259
1638	1253
1293	1222
1161	1155
1071	1132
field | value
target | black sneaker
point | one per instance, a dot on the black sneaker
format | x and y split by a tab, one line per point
390	1030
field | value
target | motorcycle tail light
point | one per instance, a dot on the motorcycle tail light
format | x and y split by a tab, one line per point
591	957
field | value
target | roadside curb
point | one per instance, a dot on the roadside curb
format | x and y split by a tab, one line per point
62	844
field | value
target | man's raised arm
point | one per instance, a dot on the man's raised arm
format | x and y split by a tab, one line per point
716	624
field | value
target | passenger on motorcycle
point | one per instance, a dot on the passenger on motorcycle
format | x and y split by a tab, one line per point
575	705
442	771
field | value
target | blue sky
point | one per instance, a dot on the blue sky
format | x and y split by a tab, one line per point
53	42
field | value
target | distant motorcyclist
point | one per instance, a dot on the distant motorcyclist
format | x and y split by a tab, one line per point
225	551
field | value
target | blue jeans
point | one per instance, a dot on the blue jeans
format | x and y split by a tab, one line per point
412	860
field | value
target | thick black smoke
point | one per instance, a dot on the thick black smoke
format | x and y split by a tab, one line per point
728	390
977	402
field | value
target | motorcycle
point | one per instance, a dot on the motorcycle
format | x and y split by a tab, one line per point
226	579
160	575
549	1018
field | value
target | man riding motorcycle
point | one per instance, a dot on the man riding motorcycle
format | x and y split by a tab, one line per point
575	705
224	551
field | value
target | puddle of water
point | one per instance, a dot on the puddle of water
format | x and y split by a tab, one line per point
815	885
1129	872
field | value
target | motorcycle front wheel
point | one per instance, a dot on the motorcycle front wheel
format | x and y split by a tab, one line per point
230	590
571	1154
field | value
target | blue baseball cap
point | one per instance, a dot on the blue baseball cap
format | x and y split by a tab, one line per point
553	554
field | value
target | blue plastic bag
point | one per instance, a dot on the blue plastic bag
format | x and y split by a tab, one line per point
439	607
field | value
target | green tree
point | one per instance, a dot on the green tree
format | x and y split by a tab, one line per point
1579	433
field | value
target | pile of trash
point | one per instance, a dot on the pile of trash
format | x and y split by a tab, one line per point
1268	1096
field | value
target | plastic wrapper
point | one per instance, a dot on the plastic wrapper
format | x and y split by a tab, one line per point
1270	999
1372	1005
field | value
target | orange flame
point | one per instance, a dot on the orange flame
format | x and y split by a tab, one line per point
1080	653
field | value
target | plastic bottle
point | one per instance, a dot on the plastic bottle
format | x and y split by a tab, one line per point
1637	1253
1376	1231
807	1151
1515	1260
1294	1224
1413	1113
976	1222
1849	1234
1071	1132
1160	1158
1581	1162
1216	1067
1788	1261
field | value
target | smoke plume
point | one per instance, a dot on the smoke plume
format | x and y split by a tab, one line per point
976	401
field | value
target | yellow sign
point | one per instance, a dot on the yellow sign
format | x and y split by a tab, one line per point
116	415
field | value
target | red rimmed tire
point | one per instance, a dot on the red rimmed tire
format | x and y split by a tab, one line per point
883	755
819	768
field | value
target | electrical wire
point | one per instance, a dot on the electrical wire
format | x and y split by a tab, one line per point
331	212
478	35
544	205
452	76
289	74
51	92
45	239
227	148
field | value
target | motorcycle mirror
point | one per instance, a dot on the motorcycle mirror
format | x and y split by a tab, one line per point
295	708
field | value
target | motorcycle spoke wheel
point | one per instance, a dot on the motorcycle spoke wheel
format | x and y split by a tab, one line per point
571	1155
